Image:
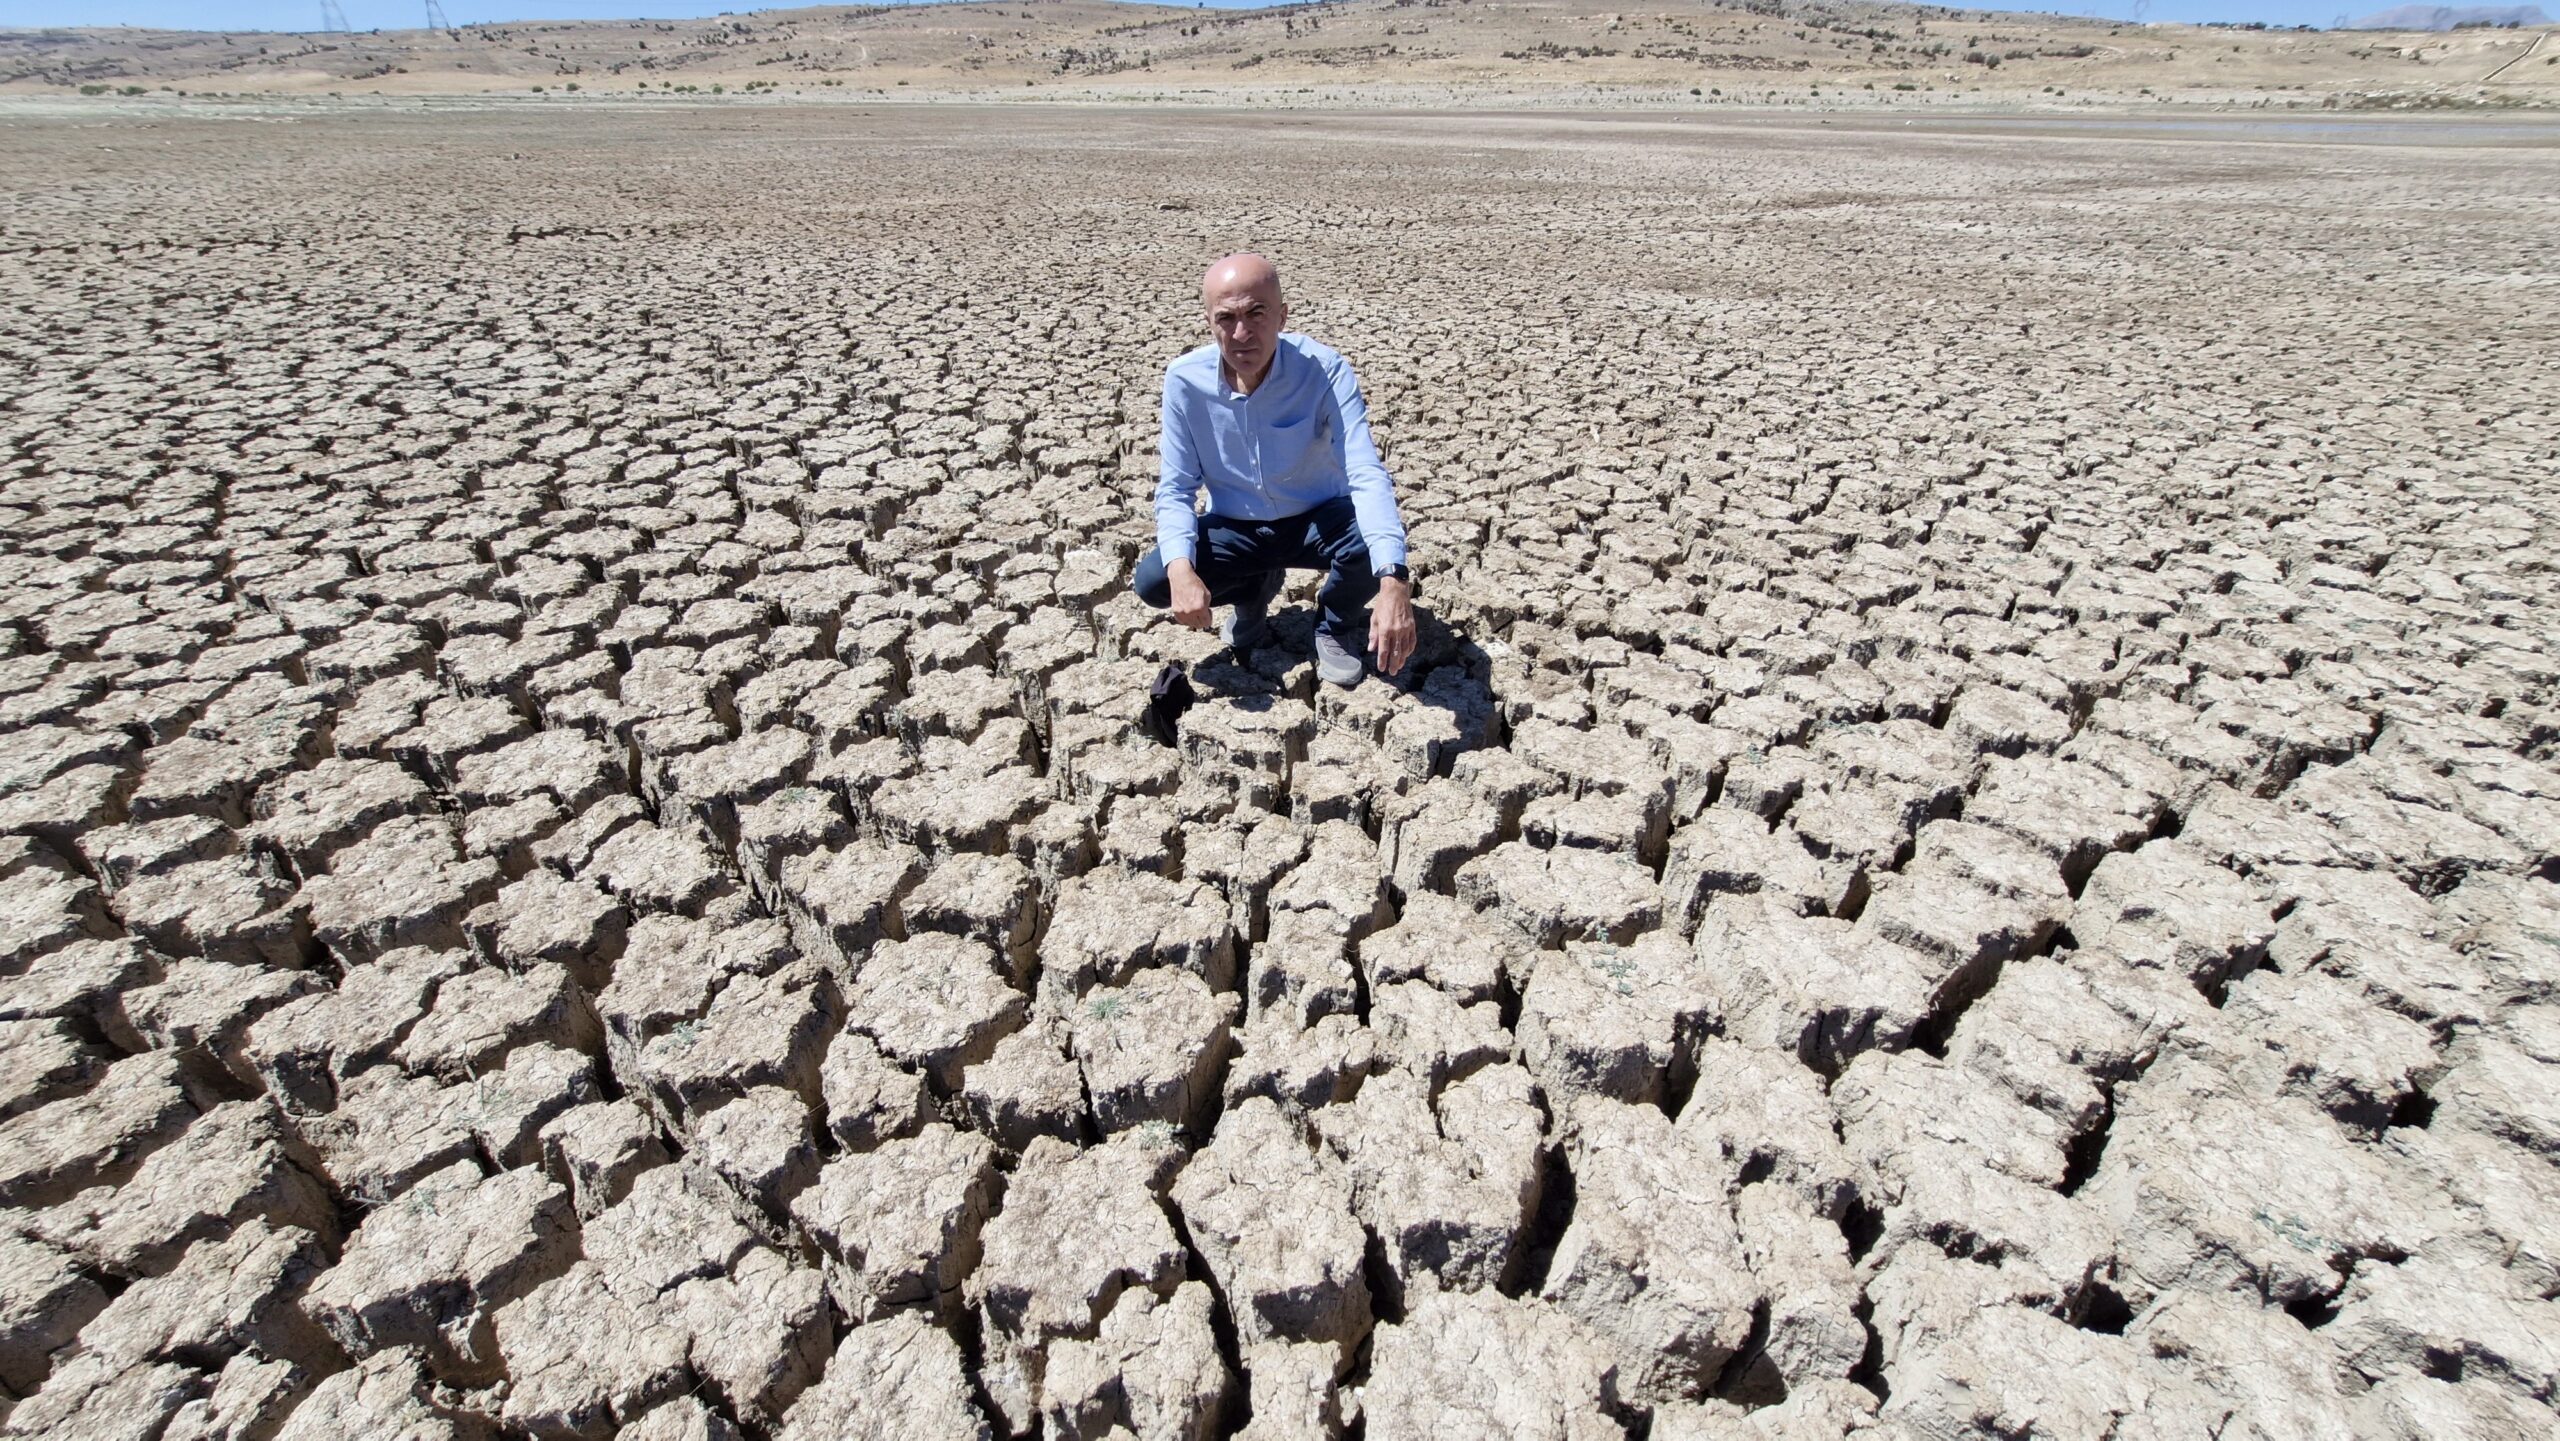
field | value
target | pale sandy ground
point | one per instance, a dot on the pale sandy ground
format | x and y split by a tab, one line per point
1970	846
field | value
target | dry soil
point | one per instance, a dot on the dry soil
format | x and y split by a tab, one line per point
1970	846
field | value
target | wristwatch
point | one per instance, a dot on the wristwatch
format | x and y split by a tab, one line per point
1398	571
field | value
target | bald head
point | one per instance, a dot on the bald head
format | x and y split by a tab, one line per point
1237	274
1241	295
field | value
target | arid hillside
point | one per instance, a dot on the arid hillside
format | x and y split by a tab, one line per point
1723	49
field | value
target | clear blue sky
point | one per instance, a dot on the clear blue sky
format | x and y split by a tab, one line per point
393	14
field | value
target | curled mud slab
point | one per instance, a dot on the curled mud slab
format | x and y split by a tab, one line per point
1971	843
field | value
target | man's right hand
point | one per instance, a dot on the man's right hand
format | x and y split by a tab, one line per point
1190	595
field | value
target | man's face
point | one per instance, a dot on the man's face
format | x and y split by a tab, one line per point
1247	320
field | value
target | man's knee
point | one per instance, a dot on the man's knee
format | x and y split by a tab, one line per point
1353	582
1150	581
1337	527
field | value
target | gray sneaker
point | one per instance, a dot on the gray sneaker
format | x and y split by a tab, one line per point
1248	622
1338	663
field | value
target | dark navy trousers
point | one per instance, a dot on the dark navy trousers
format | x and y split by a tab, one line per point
1236	558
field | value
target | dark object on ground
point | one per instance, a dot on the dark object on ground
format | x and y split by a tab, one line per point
1167	699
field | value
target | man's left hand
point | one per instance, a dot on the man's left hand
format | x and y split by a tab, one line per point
1391	625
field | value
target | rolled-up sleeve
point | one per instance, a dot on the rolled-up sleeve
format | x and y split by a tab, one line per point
1177	475
1373	491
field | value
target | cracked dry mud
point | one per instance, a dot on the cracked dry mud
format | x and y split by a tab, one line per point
1970	846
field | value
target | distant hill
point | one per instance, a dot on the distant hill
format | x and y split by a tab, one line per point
2448	17
1795	51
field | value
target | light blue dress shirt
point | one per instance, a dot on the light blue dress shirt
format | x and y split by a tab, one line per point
1301	439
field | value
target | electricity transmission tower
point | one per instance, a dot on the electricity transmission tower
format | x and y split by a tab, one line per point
2141	12
435	17
333	19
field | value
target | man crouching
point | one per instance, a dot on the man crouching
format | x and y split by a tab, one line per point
1273	424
